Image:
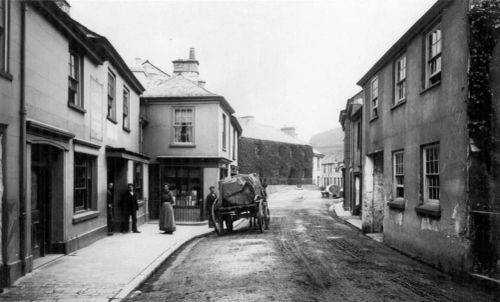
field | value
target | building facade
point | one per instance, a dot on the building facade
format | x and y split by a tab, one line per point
78	130
317	160
191	137
331	171
429	143
276	155
351	121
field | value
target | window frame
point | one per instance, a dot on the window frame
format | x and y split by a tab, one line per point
432	79
374	98
426	175
398	173
88	164
191	142
126	109
224	132
235	141
400	81
5	39
111	96
75	77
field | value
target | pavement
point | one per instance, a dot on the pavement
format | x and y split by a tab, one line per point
337	209
107	270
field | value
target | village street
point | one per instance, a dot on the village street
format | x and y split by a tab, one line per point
305	256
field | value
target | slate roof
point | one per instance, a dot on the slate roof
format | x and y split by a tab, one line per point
178	86
265	132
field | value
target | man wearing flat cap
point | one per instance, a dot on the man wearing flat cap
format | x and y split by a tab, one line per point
130	206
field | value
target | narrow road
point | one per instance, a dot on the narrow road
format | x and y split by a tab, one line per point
305	256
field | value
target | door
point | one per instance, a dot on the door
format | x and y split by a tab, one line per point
40	197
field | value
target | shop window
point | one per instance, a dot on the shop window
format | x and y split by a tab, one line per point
138	180
186	184
84	181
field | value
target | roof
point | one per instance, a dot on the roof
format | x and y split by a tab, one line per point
317	153
415	30
178	86
265	132
330	159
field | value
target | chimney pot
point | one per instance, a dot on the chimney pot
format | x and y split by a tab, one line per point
192	54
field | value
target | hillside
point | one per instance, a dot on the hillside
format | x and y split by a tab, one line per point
329	142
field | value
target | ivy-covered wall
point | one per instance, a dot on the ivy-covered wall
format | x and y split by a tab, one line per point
276	162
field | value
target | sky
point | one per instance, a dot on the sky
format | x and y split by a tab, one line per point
292	63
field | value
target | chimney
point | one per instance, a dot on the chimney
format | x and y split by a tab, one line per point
201	83
63	5
289	130
188	68
246	119
138	62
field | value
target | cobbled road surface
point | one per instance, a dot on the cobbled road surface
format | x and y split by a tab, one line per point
305	256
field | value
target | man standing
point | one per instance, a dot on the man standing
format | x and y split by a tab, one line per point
110	208
130	206
211	198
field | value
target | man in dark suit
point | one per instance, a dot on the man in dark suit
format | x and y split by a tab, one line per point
211	198
130	206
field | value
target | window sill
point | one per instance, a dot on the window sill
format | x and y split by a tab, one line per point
430	87
6	75
112	120
174	145
76	108
81	217
398	104
141	203
373	119
429	210
126	129
397	204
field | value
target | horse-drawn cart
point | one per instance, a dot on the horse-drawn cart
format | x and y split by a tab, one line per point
241	196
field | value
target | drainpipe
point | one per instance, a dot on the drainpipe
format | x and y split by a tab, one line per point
22	143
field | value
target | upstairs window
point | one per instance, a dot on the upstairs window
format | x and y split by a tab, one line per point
235	142
399	176
111	97
374	97
4	35
431	173
400	80
183	125
433	46
126	109
224	132
74	80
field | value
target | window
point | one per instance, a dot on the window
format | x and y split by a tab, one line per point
358	138
374	97
126	108
400	80
83	182
183	125
433	56
235	142
431	173
4	35
138	180
111	96
399	177
74	84
224	135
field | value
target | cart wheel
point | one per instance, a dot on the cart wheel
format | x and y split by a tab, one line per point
260	217
267	217
217	221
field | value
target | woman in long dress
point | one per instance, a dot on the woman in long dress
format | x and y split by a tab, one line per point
167	219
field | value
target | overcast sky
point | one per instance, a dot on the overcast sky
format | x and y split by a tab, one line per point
291	63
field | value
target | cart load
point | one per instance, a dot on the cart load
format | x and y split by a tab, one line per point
241	196
241	189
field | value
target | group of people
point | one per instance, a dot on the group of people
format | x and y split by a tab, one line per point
129	206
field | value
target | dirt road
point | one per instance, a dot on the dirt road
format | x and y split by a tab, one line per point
305	256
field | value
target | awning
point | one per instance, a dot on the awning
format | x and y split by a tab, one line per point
112	152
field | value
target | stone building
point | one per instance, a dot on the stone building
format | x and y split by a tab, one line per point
191	137
429	140
276	155
71	125
351	121
331	171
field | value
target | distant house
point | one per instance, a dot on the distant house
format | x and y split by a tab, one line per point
148	74
331	171
277	155
191	137
317	159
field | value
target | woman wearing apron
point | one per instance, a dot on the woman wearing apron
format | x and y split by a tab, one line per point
167	219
